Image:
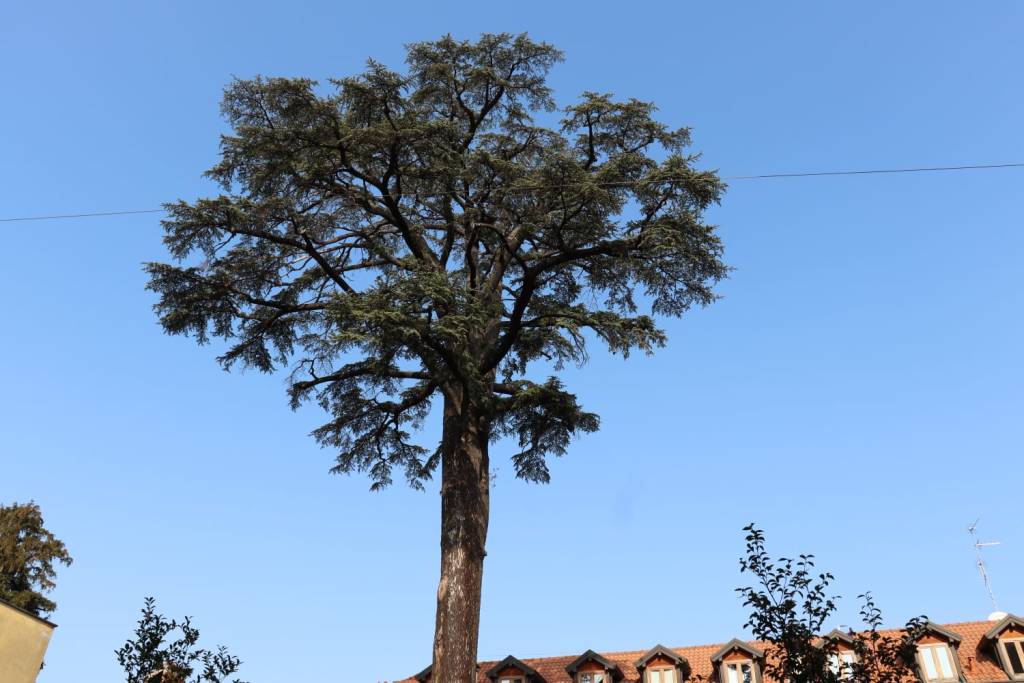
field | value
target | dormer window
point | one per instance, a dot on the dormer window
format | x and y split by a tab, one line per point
662	665
936	655
511	670
591	667
1007	641
738	662
937	665
1014	650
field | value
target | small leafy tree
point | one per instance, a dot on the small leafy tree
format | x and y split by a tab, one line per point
401	239
151	658
790	605
28	553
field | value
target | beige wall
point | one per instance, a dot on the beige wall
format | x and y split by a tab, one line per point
23	641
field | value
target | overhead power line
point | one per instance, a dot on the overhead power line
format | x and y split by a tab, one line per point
78	215
808	174
531	188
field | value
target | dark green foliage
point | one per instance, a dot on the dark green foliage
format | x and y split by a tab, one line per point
790	606
28	553
151	658
395	237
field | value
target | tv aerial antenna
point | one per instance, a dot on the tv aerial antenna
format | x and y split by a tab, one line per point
972	529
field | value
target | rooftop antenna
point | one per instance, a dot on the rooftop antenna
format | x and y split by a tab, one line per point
972	529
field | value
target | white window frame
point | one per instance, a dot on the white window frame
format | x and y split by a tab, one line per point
511	679
588	677
928	653
1018	645
650	676
840	663
739	664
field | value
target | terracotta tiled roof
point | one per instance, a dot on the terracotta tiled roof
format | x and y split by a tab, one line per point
976	658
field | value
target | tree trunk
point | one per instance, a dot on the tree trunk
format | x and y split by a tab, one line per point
465	508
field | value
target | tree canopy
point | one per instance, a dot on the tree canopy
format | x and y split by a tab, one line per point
28	555
790	604
395	237
167	651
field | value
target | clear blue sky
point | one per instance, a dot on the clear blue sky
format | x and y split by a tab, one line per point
857	392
